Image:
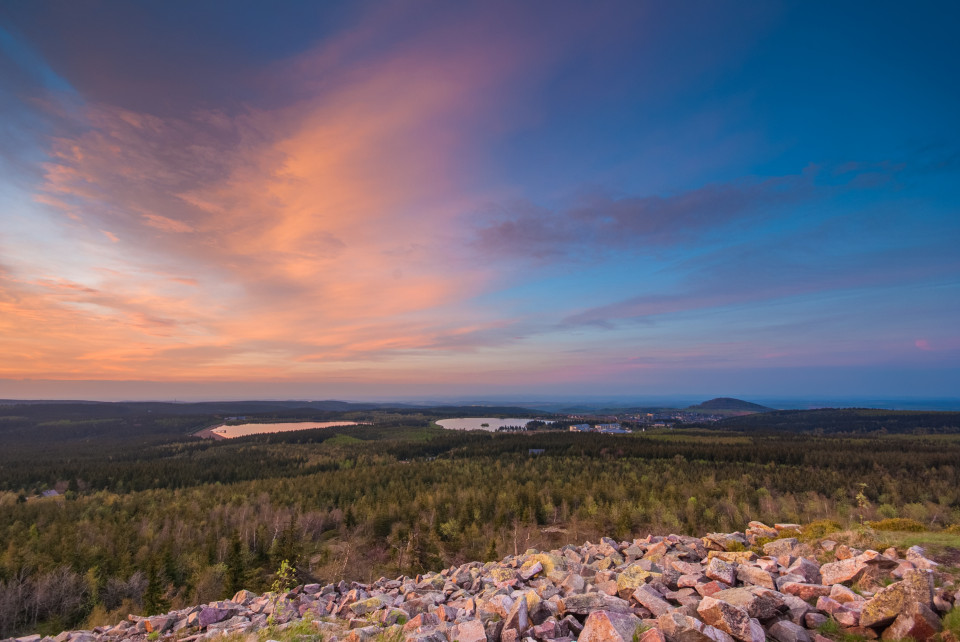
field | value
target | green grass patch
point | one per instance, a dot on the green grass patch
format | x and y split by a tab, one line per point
832	629
303	631
951	621
934	542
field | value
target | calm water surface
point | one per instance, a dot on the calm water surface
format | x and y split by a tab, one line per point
242	430
476	423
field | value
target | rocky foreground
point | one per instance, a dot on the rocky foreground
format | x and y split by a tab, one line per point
656	589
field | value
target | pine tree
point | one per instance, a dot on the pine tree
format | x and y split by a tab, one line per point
236	565
154	600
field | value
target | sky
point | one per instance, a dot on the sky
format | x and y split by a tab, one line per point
395	199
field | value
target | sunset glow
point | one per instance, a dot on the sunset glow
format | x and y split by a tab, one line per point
395	199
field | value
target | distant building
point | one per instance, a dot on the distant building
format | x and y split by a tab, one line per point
49	493
580	428
535	451
607	427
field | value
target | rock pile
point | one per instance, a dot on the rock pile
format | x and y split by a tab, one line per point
656	589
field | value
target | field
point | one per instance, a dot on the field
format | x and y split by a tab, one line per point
146	516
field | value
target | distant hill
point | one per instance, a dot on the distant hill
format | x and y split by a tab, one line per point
728	404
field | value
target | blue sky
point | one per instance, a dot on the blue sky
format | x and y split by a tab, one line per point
394	199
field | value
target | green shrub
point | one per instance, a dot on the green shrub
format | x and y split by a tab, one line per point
819	528
898	524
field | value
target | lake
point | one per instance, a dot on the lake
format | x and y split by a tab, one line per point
476	423
242	430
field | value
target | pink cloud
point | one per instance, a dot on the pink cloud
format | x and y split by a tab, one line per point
304	239
167	224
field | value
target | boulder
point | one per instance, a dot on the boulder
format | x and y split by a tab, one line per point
732	619
807	569
758	602
815	620
733	557
157	624
677	627
573	583
529	570
759	529
244	597
471	631
652	635
721	571
634	576
519	616
917	556
369	605
724	541
884	607
652	601
796	608
846	571
586	603
710	588
785	546
755	576
805	591
842	594
212	615
608	626
917	622
787	631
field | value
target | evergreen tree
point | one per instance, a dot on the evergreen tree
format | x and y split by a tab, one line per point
236	565
154	598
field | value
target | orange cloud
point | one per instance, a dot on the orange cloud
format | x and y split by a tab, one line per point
167	224
305	240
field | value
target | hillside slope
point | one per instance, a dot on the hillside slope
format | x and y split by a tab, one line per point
655	589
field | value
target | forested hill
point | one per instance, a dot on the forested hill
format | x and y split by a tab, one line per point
729	403
847	420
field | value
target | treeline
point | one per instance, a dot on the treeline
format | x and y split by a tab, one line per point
848	420
138	535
